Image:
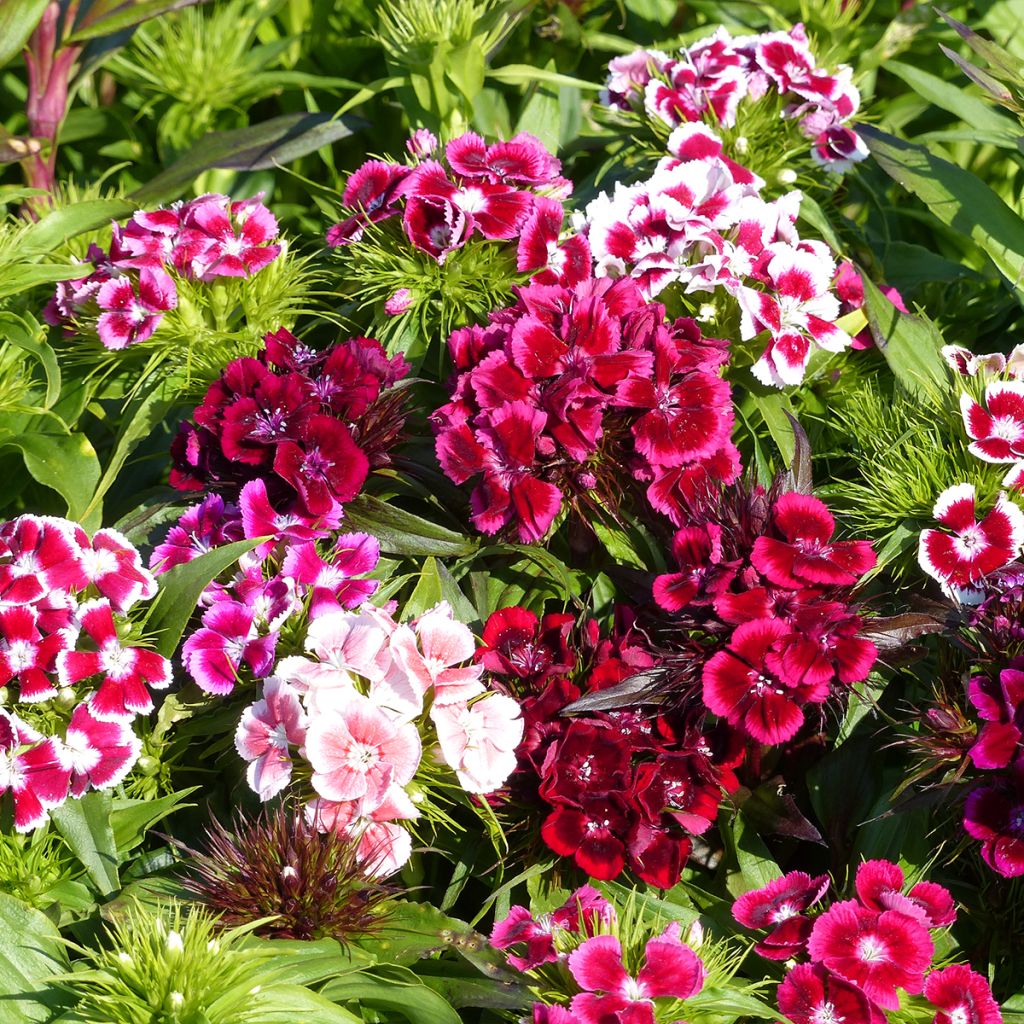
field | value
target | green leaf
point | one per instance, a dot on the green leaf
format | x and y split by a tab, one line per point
911	345
526	74
106	17
30	952
541	114
757	866
402	533
66	463
18	19
64	223
971	110
285	1004
130	819
721	1002
411	1000
29	338
263	146
958	198
427	592
85	826
773	407
180	589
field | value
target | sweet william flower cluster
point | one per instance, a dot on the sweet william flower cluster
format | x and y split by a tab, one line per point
713	79
854	958
130	288
570	387
71	680
359	711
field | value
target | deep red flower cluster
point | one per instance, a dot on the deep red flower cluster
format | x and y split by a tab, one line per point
761	572
620	788
855	956
574	393
500	192
309	424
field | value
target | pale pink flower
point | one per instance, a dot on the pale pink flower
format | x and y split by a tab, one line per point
479	740
265	734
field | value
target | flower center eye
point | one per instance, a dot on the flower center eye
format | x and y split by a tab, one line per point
362	756
871	949
117	660
633	991
826	1014
20	655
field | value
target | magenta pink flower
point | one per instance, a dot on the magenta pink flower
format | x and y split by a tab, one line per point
519	927
1000	705
333	581
127	672
131	312
266	733
880	885
878	952
810	994
228	637
372	191
740	688
228	239
100	753
542	252
111	563
808	555
670	970
27	655
37	554
522	160
996	429
780	907
201	528
421	143
838	148
961	996
34	769
479	740
973	549
357	752
995	815
399	302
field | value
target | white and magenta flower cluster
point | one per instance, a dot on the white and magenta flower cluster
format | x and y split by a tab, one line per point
510	190
574	953
359	710
568	387
853	959
714	79
701	222
71	679
130	288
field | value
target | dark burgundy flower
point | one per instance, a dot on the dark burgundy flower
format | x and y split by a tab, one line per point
696	550
656	855
995	815
590	834
780	907
587	759
372	191
811	994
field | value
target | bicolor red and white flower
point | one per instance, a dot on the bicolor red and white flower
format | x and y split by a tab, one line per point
34	769
967	550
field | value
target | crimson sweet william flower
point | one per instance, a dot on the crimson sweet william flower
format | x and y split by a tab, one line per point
973	549
542	252
373	191
27	655
127	672
780	907
696	550
961	996
522	160
589	757
880	883
516	643
811	994
808	555
34	769
670	970
878	952
995	815
590	833
739	687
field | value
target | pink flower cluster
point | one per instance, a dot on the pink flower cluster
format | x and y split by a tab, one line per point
710	79
63	601
501	192
780	591
700	221
309	425
590	964
854	957
306	569
573	389
358	711
132	286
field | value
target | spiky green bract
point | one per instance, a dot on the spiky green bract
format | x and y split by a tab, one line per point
287	879
37	868
473	281
411	30
894	454
168	965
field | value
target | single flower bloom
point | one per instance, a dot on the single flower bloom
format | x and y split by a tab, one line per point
132	310
229	239
519	926
808	555
961	558
38	554
126	673
34	768
358	751
479	740
670	970
996	429
838	148
265	735
112	564
228	638
779	907
878	952
995	815
201	528
880	885
27	655
591	834
100	753
811	994
961	996
1000	705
